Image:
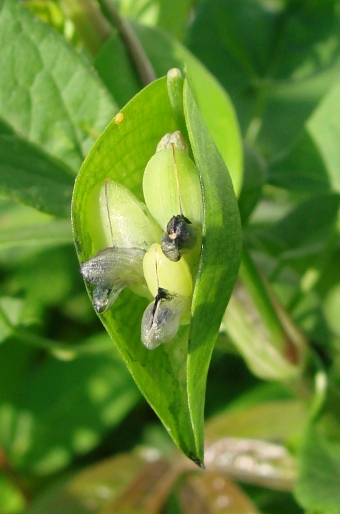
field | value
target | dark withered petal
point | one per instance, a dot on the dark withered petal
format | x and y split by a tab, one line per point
180	235
161	318
110	271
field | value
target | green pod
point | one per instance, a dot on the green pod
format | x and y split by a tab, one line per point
171	186
126	221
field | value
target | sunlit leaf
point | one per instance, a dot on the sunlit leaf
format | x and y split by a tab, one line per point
261	53
48	94
32	177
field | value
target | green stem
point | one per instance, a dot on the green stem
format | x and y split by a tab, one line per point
91	25
132	43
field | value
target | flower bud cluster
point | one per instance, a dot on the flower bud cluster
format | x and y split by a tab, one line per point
146	242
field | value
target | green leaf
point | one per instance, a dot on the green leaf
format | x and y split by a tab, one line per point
50	233
255	174
313	163
220	258
318	484
304	231
96	389
32	177
12	500
48	94
121	154
261	53
302	168
121	78
324	127
277	420
10	309
170	16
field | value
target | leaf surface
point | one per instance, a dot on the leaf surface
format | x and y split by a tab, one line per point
220	257
48	94
318	485
32	177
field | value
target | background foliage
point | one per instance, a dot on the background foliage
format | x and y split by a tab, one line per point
76	436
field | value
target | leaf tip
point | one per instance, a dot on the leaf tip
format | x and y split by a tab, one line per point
197	461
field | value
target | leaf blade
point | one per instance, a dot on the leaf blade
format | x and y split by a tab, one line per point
48	94
220	258
32	177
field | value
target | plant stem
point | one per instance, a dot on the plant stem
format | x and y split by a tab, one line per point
132	43
91	25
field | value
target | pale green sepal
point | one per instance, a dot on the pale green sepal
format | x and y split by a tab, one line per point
125	220
163	196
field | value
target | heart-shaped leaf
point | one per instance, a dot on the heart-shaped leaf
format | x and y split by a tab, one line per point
173	376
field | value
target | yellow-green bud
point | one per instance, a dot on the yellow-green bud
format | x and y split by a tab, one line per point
171	185
160	272
126	221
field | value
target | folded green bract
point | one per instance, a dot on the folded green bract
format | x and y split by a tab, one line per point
191	212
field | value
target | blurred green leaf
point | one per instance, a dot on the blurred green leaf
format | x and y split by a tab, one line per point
302	168
255	174
25	232
278	421
51	233
313	163
220	258
49	11
170	16
116	70
32	177
324	127
10	309
305	230
48	94
46	278
12	500
318	484
124	484
276	60
63	409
